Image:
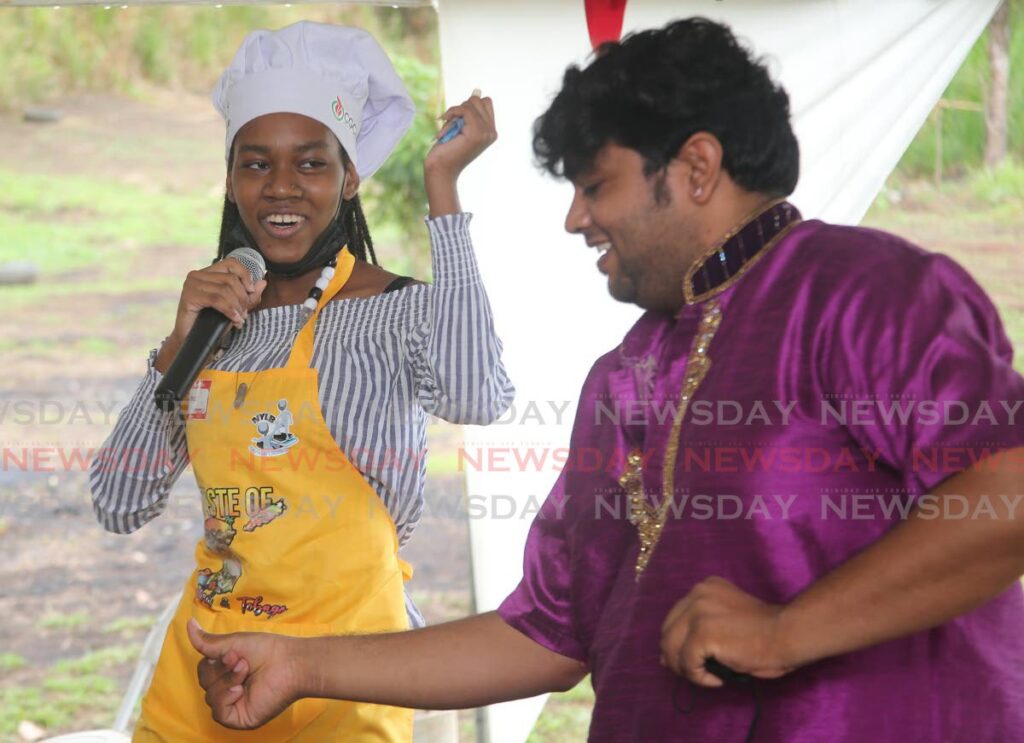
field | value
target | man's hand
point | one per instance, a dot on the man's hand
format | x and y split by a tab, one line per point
717	619
249	678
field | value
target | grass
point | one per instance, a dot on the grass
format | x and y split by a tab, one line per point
98	660
73	691
19	703
443	462
64	621
78	689
26	347
20	296
566	716
11	662
984	197
1003	185
58	701
129	625
64	223
980	227
96	345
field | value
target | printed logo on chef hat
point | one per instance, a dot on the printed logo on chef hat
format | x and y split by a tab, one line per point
338	109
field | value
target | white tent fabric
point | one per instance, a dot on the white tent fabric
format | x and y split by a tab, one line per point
862	76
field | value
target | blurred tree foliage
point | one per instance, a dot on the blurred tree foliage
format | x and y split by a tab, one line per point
48	53
963	132
396	192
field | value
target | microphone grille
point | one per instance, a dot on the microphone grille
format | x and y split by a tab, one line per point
252	261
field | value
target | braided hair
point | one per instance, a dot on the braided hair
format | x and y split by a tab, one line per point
350	216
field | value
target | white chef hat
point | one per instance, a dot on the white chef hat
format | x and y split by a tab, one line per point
336	75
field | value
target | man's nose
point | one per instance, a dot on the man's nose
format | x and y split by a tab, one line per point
578	218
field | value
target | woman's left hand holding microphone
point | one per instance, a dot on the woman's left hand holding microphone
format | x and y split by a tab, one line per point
446	160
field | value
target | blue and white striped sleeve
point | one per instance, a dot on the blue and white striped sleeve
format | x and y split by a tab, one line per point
454	352
132	473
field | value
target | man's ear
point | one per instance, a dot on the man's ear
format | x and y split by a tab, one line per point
702	154
351	187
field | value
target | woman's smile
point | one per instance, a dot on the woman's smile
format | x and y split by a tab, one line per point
283	225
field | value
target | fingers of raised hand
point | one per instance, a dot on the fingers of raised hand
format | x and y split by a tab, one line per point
483	106
478	116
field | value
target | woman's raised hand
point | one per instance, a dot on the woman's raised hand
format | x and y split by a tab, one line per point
478	133
446	160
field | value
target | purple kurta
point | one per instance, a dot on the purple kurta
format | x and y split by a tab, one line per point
847	359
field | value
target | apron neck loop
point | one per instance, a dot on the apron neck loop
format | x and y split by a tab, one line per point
302	349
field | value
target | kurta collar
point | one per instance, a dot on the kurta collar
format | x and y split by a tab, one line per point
723	265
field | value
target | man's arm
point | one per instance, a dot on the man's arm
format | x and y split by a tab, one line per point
252	677
923	573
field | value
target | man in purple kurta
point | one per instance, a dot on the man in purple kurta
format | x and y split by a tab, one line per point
813	449
829	334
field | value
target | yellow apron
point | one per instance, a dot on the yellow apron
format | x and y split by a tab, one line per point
296	542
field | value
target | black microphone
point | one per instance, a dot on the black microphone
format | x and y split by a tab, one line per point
713	666
202	340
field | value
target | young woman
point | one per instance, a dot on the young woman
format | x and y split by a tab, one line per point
307	432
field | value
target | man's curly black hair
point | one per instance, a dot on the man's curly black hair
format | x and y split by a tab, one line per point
654	89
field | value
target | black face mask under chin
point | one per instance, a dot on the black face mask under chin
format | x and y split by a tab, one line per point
326	246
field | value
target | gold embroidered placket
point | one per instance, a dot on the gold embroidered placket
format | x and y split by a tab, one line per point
648	519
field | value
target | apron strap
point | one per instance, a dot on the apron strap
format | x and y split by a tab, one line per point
407	570
302	349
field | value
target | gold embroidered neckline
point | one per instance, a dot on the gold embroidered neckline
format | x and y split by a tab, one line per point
763	229
649	519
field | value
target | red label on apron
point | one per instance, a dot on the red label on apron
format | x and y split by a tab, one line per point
199	399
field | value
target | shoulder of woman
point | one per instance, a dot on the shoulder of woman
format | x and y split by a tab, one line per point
368	280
